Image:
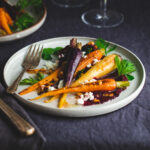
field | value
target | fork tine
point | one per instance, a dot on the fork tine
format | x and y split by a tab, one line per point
37	53
40	55
29	53
32	54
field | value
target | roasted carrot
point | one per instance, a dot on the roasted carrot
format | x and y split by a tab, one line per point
100	85
100	69
9	20
5	20
62	100
51	99
37	70
97	54
48	79
73	61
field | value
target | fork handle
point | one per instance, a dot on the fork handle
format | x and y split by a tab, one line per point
22	125
12	89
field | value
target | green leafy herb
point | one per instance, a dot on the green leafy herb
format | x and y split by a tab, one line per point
125	67
101	43
129	77
22	4
39	76
30	81
110	50
47	52
22	22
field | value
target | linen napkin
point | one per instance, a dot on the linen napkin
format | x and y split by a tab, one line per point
34	142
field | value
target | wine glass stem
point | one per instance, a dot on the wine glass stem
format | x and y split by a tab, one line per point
103	7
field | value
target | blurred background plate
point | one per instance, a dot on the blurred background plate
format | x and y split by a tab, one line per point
39	18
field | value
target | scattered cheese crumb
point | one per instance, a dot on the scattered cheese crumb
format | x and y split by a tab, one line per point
86	81
83	54
93	80
95	61
89	65
80	101
60	84
51	88
85	97
51	65
88	95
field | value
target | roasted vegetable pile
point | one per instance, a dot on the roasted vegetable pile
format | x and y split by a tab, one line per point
88	71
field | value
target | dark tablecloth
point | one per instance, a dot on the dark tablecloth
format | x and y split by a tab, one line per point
128	128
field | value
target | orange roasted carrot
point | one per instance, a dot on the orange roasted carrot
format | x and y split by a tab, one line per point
5	20
48	79
37	70
97	54
9	20
100	85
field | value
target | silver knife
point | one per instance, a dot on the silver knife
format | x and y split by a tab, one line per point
22	125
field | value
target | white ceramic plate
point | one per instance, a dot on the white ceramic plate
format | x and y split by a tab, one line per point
13	68
39	20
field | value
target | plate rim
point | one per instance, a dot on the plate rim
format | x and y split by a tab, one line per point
61	112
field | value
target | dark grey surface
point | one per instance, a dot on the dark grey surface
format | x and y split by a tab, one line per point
34	142
128	128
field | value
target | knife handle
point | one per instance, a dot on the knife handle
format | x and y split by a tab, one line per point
22	125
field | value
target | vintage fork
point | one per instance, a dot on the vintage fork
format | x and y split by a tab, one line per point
31	60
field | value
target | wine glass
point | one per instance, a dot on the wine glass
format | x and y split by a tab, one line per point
102	18
70	3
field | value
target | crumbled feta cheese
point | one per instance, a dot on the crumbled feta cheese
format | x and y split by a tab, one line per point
93	80
51	88
95	61
80	101
88	95
51	65
60	84
89	65
85	97
84	54
91	96
81	96
62	55
86	81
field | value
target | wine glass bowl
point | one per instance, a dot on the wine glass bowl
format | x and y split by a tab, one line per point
70	3
102	18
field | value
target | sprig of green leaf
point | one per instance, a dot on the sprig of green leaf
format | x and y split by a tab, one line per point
30	81
39	76
47	52
22	4
125	67
22	21
101	43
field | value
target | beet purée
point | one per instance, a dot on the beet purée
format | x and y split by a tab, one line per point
100	94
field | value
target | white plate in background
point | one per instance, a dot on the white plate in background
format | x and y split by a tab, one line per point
39	20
